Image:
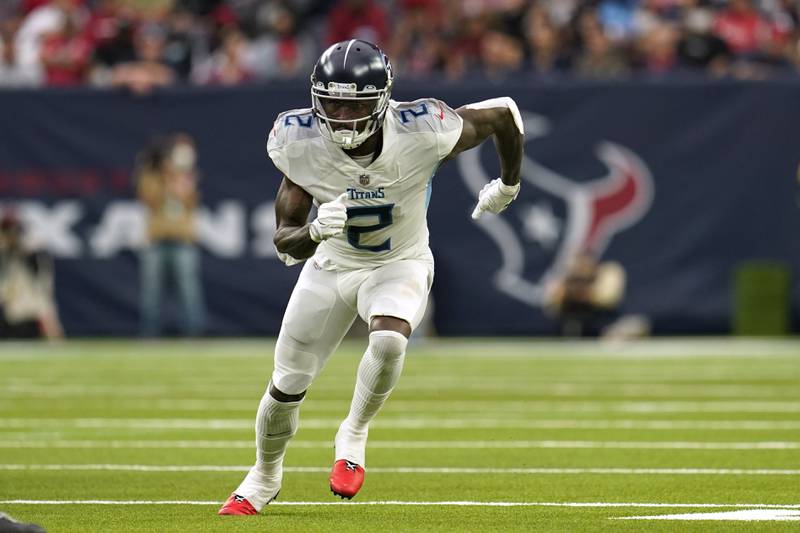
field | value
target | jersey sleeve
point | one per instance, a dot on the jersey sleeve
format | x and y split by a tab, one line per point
276	147
448	125
288	137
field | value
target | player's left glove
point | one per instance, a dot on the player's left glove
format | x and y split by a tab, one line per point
494	197
330	221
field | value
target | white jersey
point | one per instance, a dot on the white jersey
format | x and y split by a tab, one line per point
386	201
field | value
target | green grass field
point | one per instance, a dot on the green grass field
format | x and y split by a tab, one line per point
515	435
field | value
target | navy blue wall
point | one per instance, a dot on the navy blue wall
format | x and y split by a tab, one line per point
679	181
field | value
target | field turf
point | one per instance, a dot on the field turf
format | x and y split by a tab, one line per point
480	435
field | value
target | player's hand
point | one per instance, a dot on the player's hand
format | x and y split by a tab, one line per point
331	217
494	197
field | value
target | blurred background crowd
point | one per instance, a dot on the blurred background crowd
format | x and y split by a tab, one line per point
141	44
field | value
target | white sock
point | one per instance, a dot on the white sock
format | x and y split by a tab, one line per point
378	373
276	424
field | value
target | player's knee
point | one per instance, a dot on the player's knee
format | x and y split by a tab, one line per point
387	345
390	323
290	384
281	396
295	368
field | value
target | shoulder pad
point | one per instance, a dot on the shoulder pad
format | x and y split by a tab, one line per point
290	127
294	125
426	115
429	115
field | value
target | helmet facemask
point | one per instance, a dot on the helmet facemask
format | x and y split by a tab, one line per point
368	108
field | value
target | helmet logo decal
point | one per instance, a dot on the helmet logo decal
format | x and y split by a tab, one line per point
342	88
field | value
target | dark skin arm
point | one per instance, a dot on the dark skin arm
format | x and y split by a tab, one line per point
292	206
498	123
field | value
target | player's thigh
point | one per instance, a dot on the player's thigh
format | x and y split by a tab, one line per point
398	289
315	321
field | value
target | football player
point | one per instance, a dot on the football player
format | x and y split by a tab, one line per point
367	162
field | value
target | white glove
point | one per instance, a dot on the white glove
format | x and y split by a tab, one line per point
494	197
330	220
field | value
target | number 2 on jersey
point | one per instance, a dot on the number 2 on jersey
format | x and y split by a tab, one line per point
354	233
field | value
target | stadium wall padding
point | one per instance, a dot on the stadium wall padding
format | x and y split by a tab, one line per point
679	181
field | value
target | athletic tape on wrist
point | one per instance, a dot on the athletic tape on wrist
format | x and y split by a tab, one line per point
509	190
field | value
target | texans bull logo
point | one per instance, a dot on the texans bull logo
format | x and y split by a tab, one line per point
556	217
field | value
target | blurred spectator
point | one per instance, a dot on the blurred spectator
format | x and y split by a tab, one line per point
227	66
600	57
27	305
587	295
167	187
358	19
512	18
280	39
148	70
699	48
464	50
183	36
417	47
544	44
65	54
42	22
741	27
284	49
12	74
501	55
111	28
658	49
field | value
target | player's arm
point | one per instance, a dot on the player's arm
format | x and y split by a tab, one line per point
292	206
498	118
294	235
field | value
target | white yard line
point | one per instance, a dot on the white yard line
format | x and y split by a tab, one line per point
497	407
409	444
749	515
421	503
410	470
402	423
261	349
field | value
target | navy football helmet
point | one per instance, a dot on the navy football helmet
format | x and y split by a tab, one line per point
350	89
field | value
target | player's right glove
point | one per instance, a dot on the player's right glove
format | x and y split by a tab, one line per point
331	217
494	197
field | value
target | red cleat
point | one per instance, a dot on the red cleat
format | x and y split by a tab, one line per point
237	505
346	478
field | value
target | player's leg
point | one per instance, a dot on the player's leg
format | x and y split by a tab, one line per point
393	299
151	265
190	288
316	320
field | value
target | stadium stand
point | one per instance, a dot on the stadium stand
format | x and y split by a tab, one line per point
146	43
